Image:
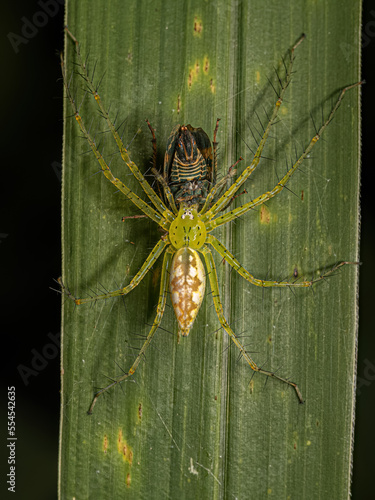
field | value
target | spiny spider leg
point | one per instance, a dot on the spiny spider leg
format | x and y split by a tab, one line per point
168	193
148	263
219	186
212	275
158	203
156	216
233	214
159	314
233	262
228	195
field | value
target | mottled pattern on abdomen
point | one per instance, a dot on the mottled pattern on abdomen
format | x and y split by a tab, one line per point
187	285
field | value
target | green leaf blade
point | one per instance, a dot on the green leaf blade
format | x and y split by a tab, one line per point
193	422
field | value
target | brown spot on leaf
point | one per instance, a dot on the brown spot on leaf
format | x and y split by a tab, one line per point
198	27
190	79
206	65
156	277
265	216
124	449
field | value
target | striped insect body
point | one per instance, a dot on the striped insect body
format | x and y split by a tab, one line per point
189	165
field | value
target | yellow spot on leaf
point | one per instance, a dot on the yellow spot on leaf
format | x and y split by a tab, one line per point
284	110
206	65
105	443
124	449
198	26
265	216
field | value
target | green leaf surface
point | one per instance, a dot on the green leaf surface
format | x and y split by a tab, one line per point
193	422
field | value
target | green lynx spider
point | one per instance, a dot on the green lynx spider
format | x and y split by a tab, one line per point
178	221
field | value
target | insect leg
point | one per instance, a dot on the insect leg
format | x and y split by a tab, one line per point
214	145
159	314
211	271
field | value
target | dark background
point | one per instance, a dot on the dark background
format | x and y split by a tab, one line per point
31	106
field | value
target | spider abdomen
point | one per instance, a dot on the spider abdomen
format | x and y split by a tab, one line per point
187	286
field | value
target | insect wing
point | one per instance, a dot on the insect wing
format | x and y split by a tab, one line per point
169	153
205	147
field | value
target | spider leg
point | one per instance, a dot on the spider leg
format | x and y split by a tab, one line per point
148	263
142	205
233	262
233	214
223	201
159	314
158	203
218	187
211	271
168	193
